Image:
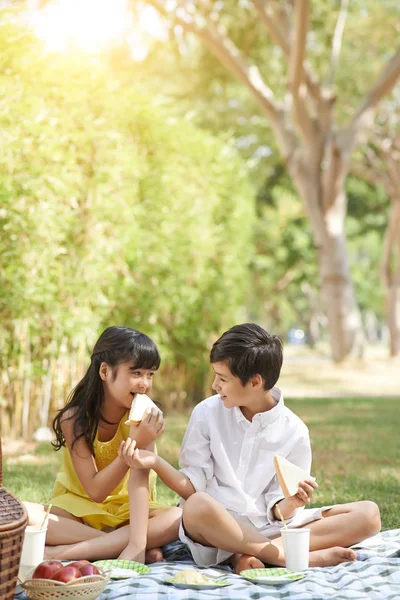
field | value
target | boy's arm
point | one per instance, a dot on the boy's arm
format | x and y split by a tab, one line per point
288	506
195	459
174	479
144	459
300	455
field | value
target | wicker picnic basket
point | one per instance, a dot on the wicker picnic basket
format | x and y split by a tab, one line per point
13	520
85	588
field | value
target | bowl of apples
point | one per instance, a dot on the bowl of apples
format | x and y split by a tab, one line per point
53	580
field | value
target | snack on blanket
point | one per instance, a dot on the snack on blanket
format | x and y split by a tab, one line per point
289	475
192	577
139	405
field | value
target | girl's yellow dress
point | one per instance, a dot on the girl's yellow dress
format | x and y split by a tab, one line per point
69	494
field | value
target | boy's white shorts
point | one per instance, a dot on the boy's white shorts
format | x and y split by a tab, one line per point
207	556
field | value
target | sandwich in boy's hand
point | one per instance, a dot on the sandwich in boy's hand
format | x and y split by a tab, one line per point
289	475
140	404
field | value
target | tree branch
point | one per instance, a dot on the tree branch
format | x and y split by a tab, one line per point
229	55
272	25
366	112
337	41
278	27
298	48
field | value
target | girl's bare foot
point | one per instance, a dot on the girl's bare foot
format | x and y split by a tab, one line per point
241	562
154	555
51	552
331	556
133	553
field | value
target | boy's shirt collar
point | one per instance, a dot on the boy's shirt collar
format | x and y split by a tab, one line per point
267	417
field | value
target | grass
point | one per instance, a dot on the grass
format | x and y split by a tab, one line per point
356	455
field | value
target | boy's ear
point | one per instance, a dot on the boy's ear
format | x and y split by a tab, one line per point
257	381
103	371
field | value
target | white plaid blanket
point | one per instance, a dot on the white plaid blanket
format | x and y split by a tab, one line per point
375	576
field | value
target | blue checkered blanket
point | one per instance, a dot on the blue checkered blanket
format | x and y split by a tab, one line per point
374	576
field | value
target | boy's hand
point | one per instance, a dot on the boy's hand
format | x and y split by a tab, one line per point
304	493
149	429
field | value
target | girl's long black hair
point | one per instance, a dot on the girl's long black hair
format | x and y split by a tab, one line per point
115	345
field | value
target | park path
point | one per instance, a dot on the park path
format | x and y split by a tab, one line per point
312	374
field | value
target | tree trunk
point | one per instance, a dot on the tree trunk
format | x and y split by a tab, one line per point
327	218
393	318
391	266
338	297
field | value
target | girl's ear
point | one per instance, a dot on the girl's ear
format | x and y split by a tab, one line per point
103	371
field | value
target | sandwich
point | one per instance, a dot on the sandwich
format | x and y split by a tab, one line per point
192	577
289	475
140	404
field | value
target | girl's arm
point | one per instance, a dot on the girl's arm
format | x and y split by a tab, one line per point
100	484
138	489
97	484
143	459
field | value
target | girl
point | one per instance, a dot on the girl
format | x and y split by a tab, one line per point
91	504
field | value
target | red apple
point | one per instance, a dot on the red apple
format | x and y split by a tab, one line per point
67	574
46	569
78	563
89	570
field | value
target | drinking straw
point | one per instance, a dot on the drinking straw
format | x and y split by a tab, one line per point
281	517
46	516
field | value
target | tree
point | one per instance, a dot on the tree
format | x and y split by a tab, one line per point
315	141
379	164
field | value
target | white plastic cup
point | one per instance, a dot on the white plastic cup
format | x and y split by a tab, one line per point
296	546
33	545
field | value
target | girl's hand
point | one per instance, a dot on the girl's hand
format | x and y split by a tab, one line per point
126	450
149	429
304	493
135	458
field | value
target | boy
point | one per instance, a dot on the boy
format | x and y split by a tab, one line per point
227	475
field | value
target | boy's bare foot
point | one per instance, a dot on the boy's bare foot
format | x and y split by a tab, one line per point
154	555
331	556
241	562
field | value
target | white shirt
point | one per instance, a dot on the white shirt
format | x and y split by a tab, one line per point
231	458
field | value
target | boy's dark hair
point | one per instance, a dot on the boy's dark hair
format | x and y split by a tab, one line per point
249	350
116	345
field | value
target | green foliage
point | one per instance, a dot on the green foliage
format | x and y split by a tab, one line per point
112	211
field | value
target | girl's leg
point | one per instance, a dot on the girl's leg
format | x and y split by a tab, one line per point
162	529
208	523
138	489
62	528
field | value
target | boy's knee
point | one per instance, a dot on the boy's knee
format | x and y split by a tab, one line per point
371	514
197	507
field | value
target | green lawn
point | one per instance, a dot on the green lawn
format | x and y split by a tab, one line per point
356	455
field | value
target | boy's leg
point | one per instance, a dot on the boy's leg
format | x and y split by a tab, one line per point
210	524
345	524
162	529
342	525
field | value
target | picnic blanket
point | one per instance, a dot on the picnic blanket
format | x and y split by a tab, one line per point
374	576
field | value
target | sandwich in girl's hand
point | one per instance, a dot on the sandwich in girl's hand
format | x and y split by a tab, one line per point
140	404
289	475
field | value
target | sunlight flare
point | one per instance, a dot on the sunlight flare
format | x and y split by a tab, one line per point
93	25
